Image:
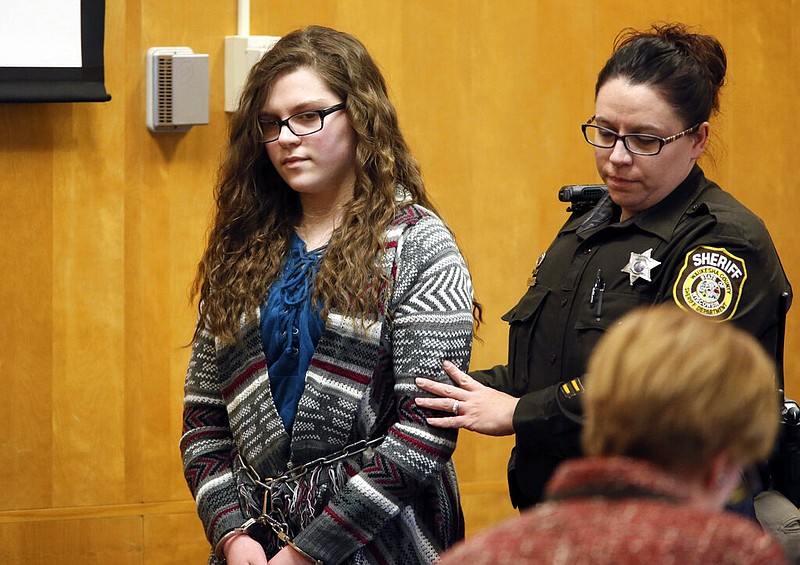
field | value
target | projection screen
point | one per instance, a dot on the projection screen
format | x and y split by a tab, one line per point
52	51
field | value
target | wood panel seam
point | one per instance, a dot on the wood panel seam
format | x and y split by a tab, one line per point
92	512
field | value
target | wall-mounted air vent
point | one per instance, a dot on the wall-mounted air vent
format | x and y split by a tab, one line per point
177	89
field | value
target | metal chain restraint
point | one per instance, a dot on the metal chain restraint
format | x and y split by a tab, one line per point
268	511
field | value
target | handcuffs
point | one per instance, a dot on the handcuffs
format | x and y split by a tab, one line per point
266	520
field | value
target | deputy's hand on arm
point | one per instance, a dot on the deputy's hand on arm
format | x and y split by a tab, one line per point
477	407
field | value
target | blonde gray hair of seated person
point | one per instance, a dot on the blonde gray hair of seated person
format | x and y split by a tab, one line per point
676	390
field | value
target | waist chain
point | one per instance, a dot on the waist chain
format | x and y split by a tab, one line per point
270	514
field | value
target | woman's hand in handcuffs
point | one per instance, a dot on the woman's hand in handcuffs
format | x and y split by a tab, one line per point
288	556
473	406
244	550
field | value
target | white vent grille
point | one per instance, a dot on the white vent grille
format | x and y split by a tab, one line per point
164	80
177	89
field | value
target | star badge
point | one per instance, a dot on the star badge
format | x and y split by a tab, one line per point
640	265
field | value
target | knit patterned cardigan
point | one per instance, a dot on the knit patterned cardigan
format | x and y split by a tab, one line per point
399	502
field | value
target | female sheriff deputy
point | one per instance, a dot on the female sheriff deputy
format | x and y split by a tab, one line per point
663	233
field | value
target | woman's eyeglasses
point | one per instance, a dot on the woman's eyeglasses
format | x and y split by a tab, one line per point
636	143
300	124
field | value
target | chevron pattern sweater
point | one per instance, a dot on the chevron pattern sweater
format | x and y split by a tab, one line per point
397	503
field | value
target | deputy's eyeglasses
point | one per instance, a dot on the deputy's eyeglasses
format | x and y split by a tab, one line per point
636	143
300	124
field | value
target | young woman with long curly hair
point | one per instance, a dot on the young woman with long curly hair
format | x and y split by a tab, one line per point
328	284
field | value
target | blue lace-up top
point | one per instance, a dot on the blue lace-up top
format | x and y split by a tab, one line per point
291	327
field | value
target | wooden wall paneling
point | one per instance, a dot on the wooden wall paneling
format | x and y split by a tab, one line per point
174	539
791	56
161	477
88	314
26	293
126	53
97	541
88	280
149	158
763	93
273	17
485	504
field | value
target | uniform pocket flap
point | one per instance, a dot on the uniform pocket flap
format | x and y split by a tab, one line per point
528	306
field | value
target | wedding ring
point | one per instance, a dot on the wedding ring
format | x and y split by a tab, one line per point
455	407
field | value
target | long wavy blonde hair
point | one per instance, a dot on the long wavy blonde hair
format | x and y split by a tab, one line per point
256	211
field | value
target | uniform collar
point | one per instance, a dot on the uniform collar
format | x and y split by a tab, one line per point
660	219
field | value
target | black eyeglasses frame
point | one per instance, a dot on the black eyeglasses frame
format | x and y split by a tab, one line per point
662	141
321	113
